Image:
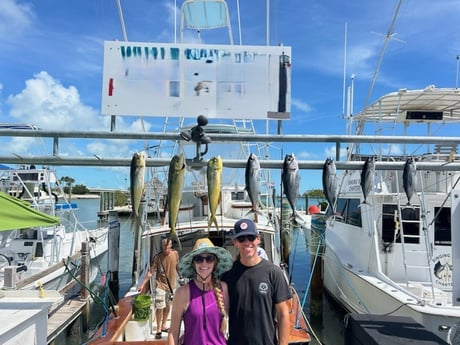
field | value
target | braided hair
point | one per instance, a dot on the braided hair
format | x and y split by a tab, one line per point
217	287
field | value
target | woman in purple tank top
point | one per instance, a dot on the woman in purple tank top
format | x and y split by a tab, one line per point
202	303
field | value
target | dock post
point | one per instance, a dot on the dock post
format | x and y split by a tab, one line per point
318	227
114	251
85	278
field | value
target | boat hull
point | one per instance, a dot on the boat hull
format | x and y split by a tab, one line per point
363	292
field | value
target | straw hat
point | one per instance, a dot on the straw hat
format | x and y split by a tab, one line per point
204	245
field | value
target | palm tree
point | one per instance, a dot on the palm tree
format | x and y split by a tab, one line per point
68	182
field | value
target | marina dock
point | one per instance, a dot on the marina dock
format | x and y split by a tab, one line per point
63	317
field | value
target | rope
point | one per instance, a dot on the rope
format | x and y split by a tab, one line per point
94	296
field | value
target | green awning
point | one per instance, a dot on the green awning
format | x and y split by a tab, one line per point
15	214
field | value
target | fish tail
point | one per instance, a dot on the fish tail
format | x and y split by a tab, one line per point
174	238
256	214
296	219
213	219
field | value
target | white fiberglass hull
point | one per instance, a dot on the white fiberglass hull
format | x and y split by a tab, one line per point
365	293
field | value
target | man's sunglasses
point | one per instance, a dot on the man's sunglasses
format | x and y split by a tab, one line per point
200	258
250	238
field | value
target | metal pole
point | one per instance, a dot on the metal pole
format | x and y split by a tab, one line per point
85	277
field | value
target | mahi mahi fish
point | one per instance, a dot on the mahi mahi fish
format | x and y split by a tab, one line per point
136	175
290	177
252	179
330	184
137	181
176	176
367	177
409	179
214	175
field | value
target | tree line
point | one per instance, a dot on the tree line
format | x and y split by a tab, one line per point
121	198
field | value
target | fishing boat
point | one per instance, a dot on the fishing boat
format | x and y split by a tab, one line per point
219	83
391	245
36	255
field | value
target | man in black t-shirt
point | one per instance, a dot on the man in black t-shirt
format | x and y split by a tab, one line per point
258	293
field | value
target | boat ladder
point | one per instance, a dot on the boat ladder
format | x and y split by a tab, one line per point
412	257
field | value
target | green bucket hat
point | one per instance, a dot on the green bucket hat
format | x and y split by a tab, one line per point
204	245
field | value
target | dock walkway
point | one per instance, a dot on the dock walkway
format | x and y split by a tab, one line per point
63	317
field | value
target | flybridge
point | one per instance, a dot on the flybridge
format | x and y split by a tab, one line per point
427	105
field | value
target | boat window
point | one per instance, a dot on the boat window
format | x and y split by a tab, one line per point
442	226
238	196
27	176
389	217
348	211
391	225
411	224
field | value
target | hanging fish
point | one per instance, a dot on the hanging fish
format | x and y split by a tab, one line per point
214	176
176	176
252	179
409	179
136	174
330	183
136	185
367	177
290	177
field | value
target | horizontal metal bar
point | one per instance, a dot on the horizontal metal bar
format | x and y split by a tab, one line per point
305	138
268	164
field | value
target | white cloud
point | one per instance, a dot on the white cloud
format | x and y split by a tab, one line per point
300	105
15	19
49	105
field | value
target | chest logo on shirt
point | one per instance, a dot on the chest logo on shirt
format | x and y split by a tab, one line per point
263	288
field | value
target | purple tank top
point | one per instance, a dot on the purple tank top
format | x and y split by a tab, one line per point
202	329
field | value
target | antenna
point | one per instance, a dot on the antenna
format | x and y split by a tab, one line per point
344	69
389	35
175	21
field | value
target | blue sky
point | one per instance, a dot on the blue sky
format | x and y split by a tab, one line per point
51	55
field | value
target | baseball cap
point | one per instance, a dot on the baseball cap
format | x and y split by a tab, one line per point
245	227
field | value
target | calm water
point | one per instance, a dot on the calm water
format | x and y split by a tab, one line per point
328	326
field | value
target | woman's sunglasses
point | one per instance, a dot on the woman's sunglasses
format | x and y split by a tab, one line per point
200	258
250	238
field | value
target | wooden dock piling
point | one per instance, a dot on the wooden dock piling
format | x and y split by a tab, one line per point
318	227
114	253
85	278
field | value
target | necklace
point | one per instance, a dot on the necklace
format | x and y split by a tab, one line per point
205	281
